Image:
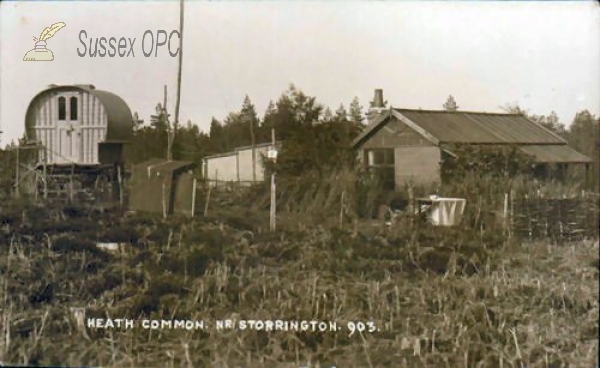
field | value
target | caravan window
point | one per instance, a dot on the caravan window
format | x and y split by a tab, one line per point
62	108
73	107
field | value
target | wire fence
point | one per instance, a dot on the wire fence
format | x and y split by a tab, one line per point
557	219
229	185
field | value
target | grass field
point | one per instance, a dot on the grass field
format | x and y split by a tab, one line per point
435	297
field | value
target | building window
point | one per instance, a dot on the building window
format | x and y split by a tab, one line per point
380	157
62	108
73	107
380	162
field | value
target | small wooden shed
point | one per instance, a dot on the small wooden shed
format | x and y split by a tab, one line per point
162	186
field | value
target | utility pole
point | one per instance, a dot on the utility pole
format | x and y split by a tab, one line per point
165	115
253	152
17	178
178	96
272	154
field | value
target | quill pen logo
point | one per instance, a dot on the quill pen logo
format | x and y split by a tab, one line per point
40	52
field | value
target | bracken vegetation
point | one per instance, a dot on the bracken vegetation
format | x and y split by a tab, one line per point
440	297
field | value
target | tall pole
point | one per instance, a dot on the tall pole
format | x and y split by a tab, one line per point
194	197
253	151
165	100
45	177
273	188
17	174
165	116
178	98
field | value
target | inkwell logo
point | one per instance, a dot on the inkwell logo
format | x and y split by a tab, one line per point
40	52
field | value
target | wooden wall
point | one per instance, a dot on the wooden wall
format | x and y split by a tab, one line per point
416	158
245	164
70	140
222	168
419	165
394	134
236	166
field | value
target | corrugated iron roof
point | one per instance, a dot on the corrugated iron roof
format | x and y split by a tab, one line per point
162	165
480	127
467	127
235	151
170	166
258	145
554	154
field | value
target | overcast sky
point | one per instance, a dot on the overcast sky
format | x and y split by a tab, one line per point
543	56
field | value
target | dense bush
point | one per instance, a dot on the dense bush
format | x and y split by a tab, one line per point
120	234
71	244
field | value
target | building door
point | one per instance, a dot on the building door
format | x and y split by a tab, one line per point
69	130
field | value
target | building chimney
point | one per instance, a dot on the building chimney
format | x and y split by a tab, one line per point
378	99
377	106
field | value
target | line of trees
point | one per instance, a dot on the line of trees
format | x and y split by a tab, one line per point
316	137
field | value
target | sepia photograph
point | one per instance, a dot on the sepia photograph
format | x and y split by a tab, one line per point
302	184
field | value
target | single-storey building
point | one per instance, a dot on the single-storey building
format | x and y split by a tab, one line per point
411	144
244	165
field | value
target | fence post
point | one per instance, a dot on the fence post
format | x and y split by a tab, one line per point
36	185
194	197
120	179
44	173
512	214
505	215
71	183
207	199
342	210
547	207
164	204
17	178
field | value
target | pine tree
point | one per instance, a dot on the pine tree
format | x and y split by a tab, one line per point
341	114
249	117
551	122
450	104
327	115
217	144
355	113
137	122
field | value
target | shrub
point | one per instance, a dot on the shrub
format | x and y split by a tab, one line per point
98	285
70	244
120	234
198	260
72	211
43	294
149	300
